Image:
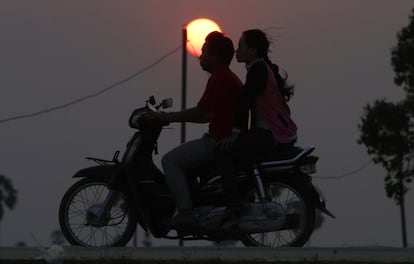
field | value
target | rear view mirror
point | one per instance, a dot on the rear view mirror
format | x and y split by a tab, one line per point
151	100
167	103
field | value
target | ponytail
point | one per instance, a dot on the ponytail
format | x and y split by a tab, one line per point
285	88
258	39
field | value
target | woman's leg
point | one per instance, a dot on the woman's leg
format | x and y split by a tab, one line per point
245	150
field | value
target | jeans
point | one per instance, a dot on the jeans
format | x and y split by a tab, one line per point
186	156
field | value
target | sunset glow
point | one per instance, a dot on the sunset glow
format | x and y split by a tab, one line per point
197	30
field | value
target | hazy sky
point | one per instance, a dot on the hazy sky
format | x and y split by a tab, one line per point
336	52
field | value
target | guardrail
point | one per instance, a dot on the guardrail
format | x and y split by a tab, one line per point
199	255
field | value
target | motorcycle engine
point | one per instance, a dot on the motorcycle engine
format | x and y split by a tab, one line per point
254	218
261	217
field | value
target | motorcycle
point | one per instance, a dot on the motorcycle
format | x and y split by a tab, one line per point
104	207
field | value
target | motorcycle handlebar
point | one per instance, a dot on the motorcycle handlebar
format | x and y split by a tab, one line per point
140	117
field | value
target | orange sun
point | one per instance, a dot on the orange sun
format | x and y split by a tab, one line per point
197	30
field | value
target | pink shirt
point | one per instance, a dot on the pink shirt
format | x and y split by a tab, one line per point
272	112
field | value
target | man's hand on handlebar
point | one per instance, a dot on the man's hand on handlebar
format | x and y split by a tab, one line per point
160	117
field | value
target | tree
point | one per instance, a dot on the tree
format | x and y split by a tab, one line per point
387	128
8	195
402	57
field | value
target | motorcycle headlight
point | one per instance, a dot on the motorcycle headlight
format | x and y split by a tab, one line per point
135	116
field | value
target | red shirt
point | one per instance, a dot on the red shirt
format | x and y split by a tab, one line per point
219	99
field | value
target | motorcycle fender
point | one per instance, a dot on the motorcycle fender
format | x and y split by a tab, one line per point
319	203
99	171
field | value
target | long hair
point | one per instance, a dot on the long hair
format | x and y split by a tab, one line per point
256	38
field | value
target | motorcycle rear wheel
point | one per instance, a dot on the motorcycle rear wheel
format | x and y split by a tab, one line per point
79	227
294	202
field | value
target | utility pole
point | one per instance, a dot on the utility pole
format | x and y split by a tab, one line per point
184	81
183	94
200	27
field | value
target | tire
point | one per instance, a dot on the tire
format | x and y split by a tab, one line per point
75	212
295	202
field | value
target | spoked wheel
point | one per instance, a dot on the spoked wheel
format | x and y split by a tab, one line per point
300	217
83	221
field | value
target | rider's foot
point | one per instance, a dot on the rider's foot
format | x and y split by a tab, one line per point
184	217
232	210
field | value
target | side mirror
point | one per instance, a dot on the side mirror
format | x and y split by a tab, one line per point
167	103
151	100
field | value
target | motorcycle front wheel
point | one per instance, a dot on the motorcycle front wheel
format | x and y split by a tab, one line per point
81	205
300	216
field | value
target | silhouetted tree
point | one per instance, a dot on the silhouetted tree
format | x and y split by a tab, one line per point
402	59
387	128
57	237
8	195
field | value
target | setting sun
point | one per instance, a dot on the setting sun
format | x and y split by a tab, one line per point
197	30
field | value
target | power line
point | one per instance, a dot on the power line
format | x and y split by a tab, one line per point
90	96
116	84
360	168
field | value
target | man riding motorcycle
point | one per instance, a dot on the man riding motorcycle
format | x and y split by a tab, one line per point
216	107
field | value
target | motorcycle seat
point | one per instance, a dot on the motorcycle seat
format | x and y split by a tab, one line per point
270	162
283	158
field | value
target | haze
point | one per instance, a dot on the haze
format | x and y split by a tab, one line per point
336	52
